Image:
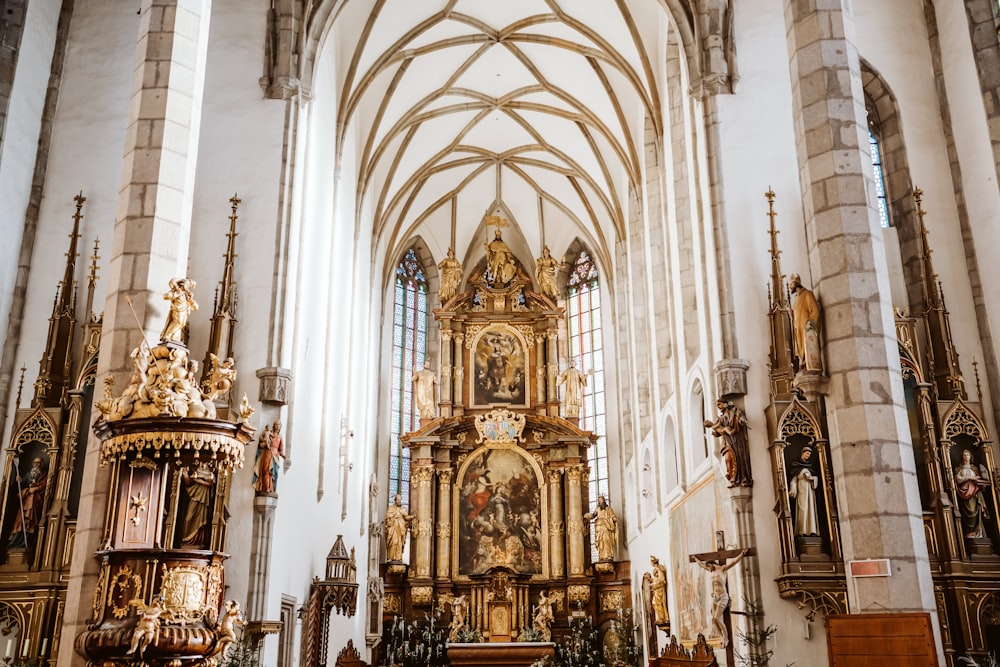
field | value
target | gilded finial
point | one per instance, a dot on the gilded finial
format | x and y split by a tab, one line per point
20	386
92	276
246	410
975	372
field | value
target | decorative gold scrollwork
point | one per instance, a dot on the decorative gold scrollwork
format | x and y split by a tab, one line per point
183	589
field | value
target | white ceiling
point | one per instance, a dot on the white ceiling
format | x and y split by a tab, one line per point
534	108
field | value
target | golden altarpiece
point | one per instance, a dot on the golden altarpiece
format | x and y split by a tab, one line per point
498	479
955	464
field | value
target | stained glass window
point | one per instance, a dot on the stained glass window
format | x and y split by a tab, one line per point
583	307
875	148
409	346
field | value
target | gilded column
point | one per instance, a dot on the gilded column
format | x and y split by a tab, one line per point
574	519
556	524
444	524
540	368
553	371
446	372
420	482
459	369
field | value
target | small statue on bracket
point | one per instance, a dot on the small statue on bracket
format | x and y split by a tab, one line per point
605	529
424	382
270	453
396	522
805	322
731	426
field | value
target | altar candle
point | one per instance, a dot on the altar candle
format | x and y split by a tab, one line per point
45	646
24	651
10	648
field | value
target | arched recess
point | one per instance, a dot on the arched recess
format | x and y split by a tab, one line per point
697	445
671	464
884	121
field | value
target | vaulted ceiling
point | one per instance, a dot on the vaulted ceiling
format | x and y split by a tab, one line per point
536	109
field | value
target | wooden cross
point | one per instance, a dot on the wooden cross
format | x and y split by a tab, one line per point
717	563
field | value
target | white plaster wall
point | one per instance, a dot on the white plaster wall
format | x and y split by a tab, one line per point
20	140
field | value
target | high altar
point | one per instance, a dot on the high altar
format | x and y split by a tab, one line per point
499	479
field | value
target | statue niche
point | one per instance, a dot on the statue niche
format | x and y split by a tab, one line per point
499	512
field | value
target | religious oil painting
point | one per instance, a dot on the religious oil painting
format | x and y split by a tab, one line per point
499	514
500	363
693	524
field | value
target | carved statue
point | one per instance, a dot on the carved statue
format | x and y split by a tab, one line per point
802	483
222	375
970	480
731	426
451	276
423	391
182	304
658	588
270	453
459	612
575	381
31	503
226	632
148	625
397	522
500	265
805	321
605	529
545	274
544	617
198	489
720	593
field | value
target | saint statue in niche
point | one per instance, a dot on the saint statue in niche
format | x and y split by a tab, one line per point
802	483
31	498
397	522
499	514
970	480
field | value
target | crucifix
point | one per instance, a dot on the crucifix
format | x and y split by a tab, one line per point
718	563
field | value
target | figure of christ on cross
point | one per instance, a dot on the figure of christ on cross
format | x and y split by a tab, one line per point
718	563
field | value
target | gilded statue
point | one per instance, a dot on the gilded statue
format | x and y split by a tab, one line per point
545	274
720	593
459	613
31	492
222	375
731	427
226	631
805	322
198	489
424	381
451	276
544	617
658	589
575	381
148	625
970	480
397	522
182	304
605	529
802	482
500	265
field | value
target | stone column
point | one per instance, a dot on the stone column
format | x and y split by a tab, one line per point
574	519
151	233
444	524
880	513
260	556
420	485
557	557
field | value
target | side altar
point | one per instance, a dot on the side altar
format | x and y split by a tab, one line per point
500	531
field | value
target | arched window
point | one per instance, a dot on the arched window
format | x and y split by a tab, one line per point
875	148
409	347
583	307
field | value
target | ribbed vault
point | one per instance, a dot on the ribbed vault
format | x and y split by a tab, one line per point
536	109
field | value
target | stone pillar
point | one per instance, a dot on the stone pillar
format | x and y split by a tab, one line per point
420	485
260	556
557	556
746	538
880	513
151	233
574	519
444	524
540	369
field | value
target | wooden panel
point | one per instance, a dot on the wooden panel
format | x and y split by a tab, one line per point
863	640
